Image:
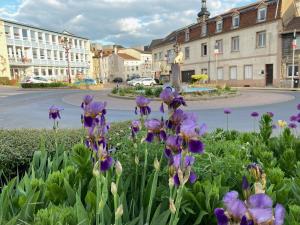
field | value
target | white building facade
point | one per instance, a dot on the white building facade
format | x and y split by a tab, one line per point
33	51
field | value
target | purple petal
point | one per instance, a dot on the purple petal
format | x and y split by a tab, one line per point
176	180
279	214
298	106
150	137
177	160
255	114
245	183
106	163
244	221
203	129
221	217
237	208
135	111
196	146
261	215
189	160
163	135
161	109
193	177
168	153
260	201
88	121
230	197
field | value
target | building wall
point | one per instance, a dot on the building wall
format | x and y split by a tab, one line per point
288	10
34	51
113	67
4	64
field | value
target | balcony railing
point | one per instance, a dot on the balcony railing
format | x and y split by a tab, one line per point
20	61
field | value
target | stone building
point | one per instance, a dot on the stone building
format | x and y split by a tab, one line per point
27	50
241	47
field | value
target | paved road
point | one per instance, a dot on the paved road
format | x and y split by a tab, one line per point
29	109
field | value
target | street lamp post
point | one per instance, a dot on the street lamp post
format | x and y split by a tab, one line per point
67	45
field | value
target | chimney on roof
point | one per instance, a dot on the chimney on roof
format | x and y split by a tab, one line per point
204	14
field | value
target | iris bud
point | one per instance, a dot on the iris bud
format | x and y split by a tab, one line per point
172	206
119	211
119	168
113	188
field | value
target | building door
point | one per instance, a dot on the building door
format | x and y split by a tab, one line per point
269	74
186	76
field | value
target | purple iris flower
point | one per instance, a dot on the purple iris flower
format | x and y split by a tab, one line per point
155	128
54	112
166	96
245	221
271	114
173	145
234	206
94	113
135	127
255	114
294	118
106	163
221	217
175	120
190	132
292	125
87	99
227	111
142	103
177	102
298	106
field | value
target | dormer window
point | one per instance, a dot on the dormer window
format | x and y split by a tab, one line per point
204	30
219	26
262	14
187	35
235	21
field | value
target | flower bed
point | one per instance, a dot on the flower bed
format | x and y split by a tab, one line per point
155	171
154	93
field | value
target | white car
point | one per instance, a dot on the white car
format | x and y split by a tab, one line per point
36	80
145	81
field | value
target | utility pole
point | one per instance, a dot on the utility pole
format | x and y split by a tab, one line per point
67	45
294	45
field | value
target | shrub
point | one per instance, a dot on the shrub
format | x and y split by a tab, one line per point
44	85
148	92
4	81
157	91
18	146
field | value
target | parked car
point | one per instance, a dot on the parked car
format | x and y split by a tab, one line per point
146	81
133	77
86	81
36	80
118	80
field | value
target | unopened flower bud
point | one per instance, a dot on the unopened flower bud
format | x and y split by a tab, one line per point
135	145
119	211
180	176
136	160
187	176
172	206
171	182
96	171
156	164
101	204
113	188
119	168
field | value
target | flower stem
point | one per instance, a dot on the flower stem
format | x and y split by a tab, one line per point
144	177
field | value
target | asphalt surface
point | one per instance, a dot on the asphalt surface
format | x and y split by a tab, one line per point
29	109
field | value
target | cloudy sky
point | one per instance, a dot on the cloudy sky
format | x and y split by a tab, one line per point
126	22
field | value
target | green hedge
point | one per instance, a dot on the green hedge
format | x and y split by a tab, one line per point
44	85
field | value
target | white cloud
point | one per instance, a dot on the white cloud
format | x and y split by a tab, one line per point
127	22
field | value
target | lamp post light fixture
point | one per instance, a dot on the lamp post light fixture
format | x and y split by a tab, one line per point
67	45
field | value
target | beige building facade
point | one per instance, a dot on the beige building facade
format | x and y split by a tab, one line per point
242	47
33	51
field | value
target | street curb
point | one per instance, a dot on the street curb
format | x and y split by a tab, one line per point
187	99
267	89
